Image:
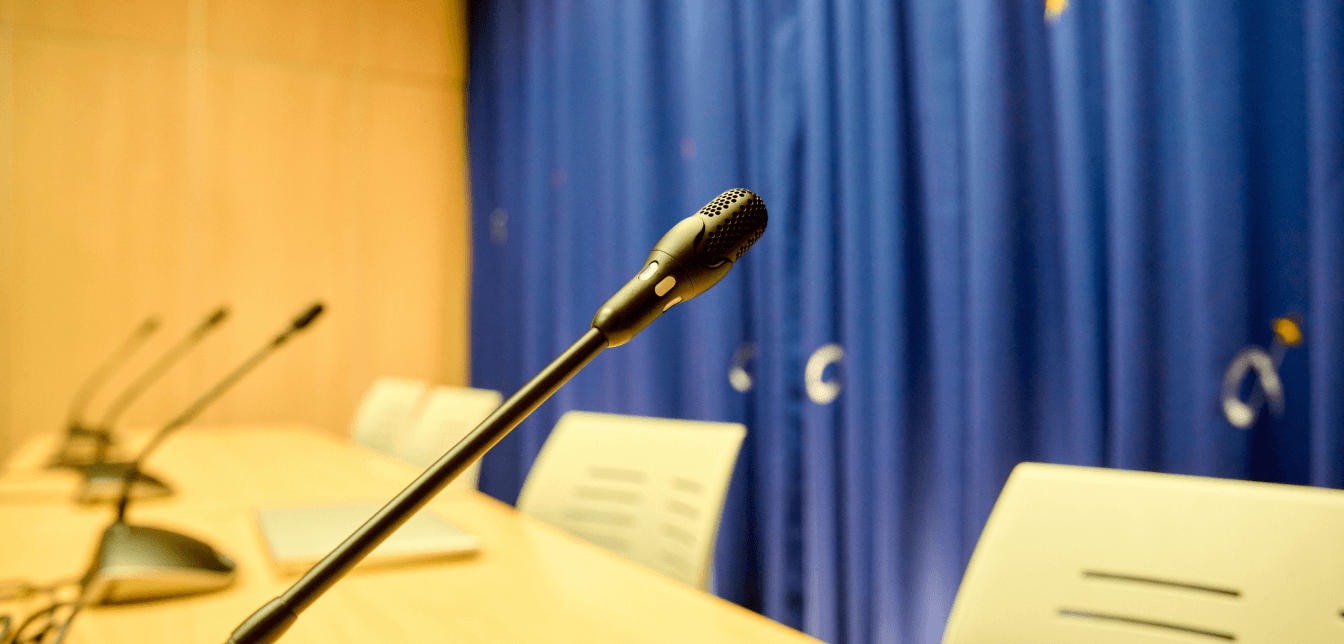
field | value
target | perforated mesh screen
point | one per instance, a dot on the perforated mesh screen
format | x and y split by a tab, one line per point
737	219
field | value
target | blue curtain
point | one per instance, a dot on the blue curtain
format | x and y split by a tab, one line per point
998	238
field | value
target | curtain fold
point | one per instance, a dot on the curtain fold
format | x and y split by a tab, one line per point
1325	168
993	238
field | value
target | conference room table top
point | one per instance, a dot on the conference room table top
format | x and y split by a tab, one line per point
530	582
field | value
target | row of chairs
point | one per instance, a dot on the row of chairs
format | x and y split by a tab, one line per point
1070	554
648	489
408	419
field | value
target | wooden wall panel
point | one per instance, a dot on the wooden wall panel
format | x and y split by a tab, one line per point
176	155
140	21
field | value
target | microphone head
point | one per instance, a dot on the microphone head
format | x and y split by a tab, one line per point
218	316
733	222
704	246
693	256
308	316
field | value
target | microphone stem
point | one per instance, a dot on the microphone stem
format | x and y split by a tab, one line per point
272	620
119	406
190	413
124	351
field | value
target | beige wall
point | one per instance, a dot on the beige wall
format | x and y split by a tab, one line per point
167	156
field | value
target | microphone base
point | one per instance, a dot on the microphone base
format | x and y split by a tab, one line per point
82	448
139	563
103	483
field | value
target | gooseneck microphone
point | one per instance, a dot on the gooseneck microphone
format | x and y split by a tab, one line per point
135	563
155	371
75	427
104	481
302	321
694	255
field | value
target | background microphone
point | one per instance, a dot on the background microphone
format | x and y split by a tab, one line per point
135	563
108	481
690	258
70	454
303	320
153	373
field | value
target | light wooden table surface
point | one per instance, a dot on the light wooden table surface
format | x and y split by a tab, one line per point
529	583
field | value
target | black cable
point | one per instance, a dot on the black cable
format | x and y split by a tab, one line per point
65	626
18	632
49	612
20	589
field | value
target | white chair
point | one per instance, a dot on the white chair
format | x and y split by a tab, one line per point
448	414
648	489
1075	554
385	412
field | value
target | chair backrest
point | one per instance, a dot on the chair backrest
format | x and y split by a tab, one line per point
385	411
448	414
1075	554
649	489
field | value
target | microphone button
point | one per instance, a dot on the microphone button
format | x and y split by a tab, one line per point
664	286
649	270
674	301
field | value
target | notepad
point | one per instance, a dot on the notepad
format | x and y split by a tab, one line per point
298	537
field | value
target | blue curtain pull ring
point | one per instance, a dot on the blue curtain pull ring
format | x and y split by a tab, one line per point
1268	387
821	391
738	376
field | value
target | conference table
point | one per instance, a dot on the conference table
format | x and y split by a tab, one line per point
529	582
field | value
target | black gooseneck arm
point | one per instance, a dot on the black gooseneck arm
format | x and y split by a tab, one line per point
74	418
273	619
123	400
129	475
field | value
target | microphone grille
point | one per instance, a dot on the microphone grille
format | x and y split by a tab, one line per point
736	220
218	316
307	316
